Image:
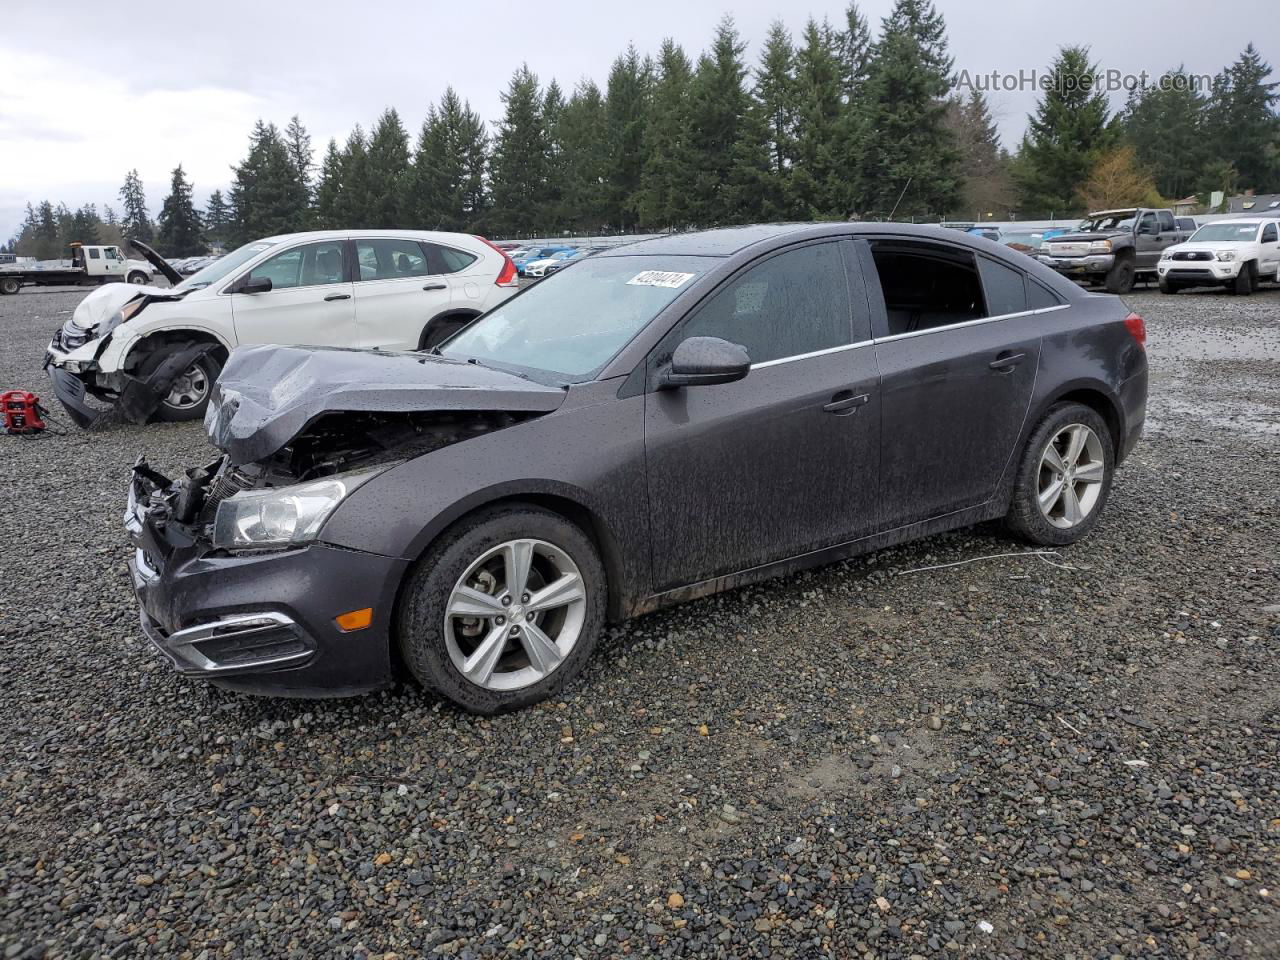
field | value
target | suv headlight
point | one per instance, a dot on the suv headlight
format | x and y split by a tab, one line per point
121	316
282	516
1044	248
1226	256
1100	246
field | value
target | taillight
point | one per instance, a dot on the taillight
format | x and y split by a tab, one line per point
1137	329
507	276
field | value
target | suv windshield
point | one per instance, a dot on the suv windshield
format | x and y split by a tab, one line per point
571	324
1119	221
1220	232
223	266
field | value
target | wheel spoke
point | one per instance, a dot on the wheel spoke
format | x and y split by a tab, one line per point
1090	472
1049	495
1076	436
478	667
517	558
1071	512
1053	459
470	602
556	594
544	655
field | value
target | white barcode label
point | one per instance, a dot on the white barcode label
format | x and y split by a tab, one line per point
660	278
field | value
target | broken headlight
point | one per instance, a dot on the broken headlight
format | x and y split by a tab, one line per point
282	516
120	316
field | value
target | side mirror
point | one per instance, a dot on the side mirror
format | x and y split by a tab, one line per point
255	285
700	361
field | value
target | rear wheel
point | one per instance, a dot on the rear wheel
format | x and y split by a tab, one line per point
1245	281
1120	276
438	331
1063	478
137	277
504	610
10	285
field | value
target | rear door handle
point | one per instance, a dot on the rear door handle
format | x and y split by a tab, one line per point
337	296
436	286
1006	361
843	403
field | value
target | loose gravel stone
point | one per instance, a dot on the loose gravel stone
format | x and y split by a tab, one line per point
1101	780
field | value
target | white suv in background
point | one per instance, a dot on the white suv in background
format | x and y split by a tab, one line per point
1236	254
156	351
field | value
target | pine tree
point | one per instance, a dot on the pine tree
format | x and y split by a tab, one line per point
986	188
1166	123
217	217
520	157
46	243
666	171
626	97
855	53
136	224
816	184
66	222
775	91
554	193
329	189
179	233
266	196
387	169
586	155
446	182
906	164
354	199
1244	127
84	225
298	143
1068	134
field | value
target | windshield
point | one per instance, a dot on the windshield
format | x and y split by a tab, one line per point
1029	239
571	324
223	266
1219	232
1119	221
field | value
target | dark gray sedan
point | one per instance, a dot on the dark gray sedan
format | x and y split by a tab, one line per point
657	422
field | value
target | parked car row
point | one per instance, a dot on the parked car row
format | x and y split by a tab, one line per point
542	261
186	266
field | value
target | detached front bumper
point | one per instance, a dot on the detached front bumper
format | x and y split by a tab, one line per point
263	623
1080	266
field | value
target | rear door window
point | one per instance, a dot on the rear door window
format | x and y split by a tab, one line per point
926	286
790	304
391	259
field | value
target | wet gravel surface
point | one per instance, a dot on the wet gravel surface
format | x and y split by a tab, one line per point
1007	758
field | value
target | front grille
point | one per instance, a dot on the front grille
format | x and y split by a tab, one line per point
1192	255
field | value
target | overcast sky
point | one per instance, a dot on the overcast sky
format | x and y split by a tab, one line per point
89	90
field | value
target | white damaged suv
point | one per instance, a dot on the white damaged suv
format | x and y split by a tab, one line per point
1235	254
156	351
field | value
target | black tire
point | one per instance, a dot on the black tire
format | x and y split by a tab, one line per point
420	616
1246	280
1120	276
438	331
1025	519
1167	287
10	286
209	368
137	277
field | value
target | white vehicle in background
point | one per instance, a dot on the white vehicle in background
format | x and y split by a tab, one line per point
1236	254
86	265
157	351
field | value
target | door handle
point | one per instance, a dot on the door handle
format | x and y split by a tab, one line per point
436	286
1006	362
337	296
843	404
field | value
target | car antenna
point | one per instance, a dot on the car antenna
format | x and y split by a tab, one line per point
900	196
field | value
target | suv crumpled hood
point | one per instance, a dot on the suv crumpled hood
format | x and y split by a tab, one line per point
268	394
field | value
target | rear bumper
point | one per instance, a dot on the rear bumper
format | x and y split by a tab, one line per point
1133	398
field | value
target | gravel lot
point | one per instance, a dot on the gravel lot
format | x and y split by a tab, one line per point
1004	758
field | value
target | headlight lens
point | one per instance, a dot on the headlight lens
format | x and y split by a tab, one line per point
1226	256
282	516
121	315
1100	246
1044	247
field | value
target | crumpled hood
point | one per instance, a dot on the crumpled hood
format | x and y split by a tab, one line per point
268	394
103	302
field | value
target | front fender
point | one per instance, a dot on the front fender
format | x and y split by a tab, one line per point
116	353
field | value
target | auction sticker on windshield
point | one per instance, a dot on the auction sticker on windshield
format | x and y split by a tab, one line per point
660	278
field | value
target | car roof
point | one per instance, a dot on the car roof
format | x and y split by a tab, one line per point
441	235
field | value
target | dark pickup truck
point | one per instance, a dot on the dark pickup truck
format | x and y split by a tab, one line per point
1114	247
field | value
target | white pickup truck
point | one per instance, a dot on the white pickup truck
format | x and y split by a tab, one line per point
87	265
1236	254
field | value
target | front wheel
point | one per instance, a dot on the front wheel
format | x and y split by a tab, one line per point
1120	276
1167	287
504	610
188	396
1245	281
1063	478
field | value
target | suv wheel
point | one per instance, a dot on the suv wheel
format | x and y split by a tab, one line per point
504	610
1063	478
188	396
1245	281
1167	287
1120	276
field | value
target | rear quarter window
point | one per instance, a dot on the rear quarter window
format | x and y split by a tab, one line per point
1004	288
1039	296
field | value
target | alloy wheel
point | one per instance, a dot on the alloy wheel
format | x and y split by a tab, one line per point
189	389
1072	469
515	614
